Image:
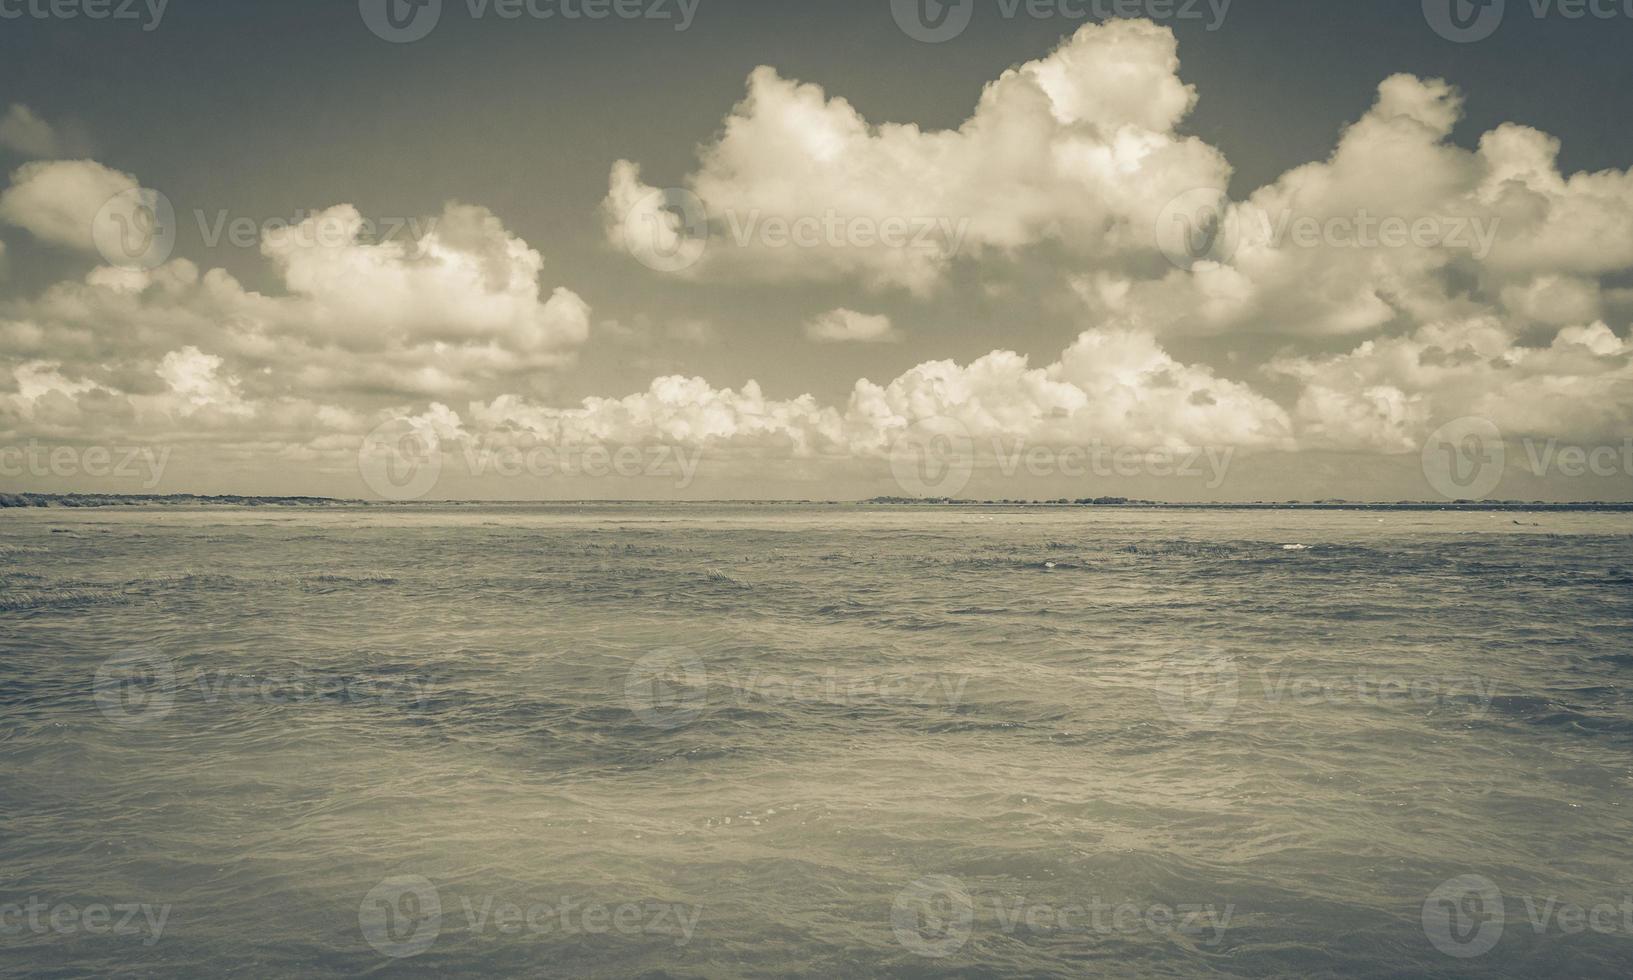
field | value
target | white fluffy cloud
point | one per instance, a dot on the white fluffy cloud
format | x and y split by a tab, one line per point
1078	148
1387	394
197	379
458	307
57	201
1397	229
466	280
1112	387
1080	152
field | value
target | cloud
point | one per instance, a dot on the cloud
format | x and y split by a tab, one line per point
196	378
466	280
1112	387
26	134
1075	162
1398	228
449	311
1387	394
1077	149
186	398
58	201
848	326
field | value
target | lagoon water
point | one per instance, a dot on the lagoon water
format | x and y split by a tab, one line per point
729	741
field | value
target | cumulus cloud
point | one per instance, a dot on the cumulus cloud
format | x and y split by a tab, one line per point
57	201
1078	148
466	280
1079	158
848	326
458	308
1398	228
197	380
1113	387
1388	394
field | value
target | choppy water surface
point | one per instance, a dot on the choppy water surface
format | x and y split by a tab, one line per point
715	741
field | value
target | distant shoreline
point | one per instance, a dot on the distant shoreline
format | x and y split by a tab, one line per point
79	501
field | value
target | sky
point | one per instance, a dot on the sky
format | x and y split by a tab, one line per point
740	249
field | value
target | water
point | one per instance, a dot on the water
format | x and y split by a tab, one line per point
750	741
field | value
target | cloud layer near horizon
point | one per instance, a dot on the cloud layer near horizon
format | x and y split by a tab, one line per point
1499	300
